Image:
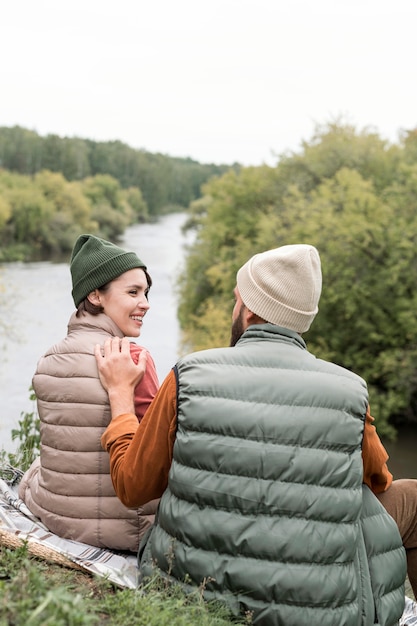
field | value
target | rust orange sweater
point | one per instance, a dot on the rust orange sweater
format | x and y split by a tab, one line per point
141	454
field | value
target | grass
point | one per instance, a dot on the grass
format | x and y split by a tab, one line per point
34	592
37	593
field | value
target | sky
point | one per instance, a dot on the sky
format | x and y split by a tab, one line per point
219	81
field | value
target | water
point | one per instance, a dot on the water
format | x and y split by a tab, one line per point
403	453
36	304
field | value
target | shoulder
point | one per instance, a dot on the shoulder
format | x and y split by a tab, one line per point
212	355
135	351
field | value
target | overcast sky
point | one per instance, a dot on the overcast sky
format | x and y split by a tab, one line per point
216	80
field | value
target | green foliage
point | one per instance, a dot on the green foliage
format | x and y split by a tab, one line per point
28	437
52	189
335	146
29	597
228	223
103	189
133	196
111	211
5	211
41	216
160	603
164	181
354	197
34	593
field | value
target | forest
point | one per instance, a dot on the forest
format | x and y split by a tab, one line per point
352	195
349	192
52	188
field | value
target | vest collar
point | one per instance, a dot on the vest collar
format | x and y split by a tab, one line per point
272	332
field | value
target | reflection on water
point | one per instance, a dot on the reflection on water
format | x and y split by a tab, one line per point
403	453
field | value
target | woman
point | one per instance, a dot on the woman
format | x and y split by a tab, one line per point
69	486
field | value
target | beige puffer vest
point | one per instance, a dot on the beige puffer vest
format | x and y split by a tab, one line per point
69	487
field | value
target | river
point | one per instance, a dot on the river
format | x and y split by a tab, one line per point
36	304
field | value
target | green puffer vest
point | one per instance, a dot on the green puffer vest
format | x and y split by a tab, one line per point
265	507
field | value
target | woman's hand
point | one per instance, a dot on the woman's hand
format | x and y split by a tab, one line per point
118	373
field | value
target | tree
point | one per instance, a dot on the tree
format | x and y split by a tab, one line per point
355	198
44	216
30	210
365	320
5	211
227	222
109	208
134	198
166	183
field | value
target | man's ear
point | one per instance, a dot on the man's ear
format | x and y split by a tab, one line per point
94	297
252	318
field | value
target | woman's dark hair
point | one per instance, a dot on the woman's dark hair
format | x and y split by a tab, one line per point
95	309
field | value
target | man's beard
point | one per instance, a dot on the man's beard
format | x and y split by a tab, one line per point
237	328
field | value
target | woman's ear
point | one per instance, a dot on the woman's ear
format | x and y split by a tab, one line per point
94	297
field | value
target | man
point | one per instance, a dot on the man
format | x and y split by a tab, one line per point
256	450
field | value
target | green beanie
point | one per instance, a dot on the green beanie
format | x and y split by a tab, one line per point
95	262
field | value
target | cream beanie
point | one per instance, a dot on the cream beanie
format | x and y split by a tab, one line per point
283	286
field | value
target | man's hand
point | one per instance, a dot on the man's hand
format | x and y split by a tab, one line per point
118	373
